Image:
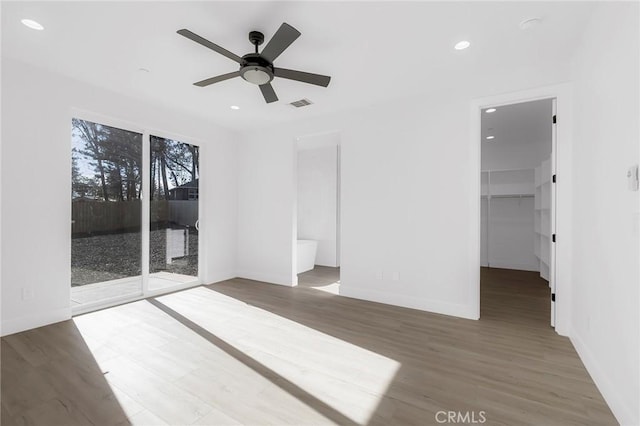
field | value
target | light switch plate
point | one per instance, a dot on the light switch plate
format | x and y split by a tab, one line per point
632	178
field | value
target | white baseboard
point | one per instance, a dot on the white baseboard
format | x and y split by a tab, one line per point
429	305
40	319
267	278
219	277
329	264
516	266
623	413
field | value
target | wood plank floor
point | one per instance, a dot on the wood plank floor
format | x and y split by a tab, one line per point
243	352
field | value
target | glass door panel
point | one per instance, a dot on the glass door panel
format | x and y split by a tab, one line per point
174	189
106	212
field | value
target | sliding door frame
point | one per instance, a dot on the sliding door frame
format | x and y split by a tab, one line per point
145	219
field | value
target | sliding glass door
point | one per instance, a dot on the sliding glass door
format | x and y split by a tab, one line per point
114	257
173	238
106	188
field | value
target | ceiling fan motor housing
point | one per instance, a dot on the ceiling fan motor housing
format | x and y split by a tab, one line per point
256	37
256	69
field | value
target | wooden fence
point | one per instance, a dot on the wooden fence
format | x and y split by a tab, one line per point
183	212
110	217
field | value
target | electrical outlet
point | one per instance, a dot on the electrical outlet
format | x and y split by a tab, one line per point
395	276
27	293
379	275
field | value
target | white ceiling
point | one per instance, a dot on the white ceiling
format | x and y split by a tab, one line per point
374	51
517	124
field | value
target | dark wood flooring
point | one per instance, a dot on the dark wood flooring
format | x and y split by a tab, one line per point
244	352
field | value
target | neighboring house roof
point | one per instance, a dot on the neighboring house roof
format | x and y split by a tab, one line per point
189	185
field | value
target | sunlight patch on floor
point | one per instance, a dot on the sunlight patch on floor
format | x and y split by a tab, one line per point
324	366
106	290
333	288
158	365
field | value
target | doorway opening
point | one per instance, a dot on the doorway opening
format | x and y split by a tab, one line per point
517	211
317	249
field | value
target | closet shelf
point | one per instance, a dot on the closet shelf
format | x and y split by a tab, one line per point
542	208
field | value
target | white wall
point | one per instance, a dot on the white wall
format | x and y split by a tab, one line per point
507	225
1	191
396	246
317	173
36	186
406	192
606	253
511	234
267	207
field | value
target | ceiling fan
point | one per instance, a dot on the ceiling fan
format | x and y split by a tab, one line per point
257	68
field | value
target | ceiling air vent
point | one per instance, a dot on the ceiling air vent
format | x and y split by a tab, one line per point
301	103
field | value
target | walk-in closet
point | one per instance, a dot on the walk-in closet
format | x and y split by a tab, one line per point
516	187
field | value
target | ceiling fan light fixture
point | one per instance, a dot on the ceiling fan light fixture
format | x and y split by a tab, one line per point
256	75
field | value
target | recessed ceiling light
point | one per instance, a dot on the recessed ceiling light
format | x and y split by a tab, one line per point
490	137
490	110
530	23
461	45
235	107
32	24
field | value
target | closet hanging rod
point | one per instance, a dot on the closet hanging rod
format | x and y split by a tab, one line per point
509	196
507	170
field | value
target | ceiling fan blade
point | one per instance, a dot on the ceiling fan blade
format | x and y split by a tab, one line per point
305	77
217	79
268	93
206	43
282	39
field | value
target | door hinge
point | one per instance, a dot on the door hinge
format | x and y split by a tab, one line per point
553	179
554	119
553	297
553	238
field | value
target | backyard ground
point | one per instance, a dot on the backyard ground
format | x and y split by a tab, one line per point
110	257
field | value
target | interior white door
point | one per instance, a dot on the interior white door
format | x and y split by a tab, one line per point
552	252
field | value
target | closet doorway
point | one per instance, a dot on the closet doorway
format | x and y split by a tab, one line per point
517	209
